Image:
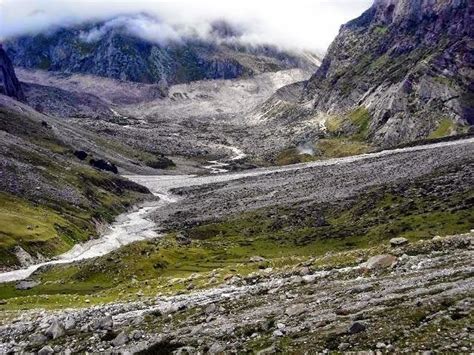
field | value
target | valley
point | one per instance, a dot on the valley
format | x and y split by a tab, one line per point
190	188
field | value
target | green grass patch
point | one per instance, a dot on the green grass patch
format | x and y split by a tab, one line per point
340	147
292	156
360	117
446	127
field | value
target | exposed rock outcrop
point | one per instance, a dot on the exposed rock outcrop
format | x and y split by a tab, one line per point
408	63
110	49
9	84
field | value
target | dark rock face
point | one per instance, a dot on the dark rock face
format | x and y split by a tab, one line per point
9	84
120	55
102	164
410	63
80	154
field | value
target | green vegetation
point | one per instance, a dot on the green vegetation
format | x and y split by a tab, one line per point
340	147
292	156
446	127
380	30
334	124
64	201
360	118
37	229
284	236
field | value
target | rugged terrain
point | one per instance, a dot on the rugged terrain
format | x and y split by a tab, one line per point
113	49
400	72
150	201
292	275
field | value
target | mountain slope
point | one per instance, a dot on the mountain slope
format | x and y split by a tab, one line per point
407	66
51	197
111	49
9	84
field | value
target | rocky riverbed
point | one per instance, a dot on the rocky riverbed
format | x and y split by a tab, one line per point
395	301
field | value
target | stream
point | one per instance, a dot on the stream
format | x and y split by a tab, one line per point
136	225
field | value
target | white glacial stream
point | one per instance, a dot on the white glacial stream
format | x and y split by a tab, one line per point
137	224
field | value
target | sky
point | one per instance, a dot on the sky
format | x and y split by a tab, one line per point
292	24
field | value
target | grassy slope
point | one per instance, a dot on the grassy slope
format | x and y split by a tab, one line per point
338	142
34	217
440	204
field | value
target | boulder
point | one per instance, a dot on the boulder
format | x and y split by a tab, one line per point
103	323
121	339
26	284
80	154
55	330
46	350
396	242
379	262
102	164
357	327
295	310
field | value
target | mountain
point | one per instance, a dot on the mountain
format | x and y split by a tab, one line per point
115	50
9	84
401	71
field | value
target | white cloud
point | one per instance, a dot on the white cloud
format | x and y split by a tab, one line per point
305	24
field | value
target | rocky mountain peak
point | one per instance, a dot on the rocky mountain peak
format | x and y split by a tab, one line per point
9	84
407	63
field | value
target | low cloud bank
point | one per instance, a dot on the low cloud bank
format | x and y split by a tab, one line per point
296	24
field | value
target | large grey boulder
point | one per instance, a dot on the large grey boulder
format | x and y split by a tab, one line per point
121	339
379	262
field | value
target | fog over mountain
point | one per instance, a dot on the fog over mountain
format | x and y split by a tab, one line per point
307	25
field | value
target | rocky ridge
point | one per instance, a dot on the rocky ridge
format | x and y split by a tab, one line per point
9	84
401	72
110	49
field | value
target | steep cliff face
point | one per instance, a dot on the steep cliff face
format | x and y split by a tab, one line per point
9	84
111	50
406	67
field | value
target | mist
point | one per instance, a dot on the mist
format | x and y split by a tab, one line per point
297	24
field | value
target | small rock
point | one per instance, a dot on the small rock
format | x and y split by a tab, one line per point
357	327
305	271
120	340
211	308
295	310
46	350
55	330
136	334
344	346
69	323
396	242
257	259
190	286
216	348
38	339
380	345
277	333
280	326
309	279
